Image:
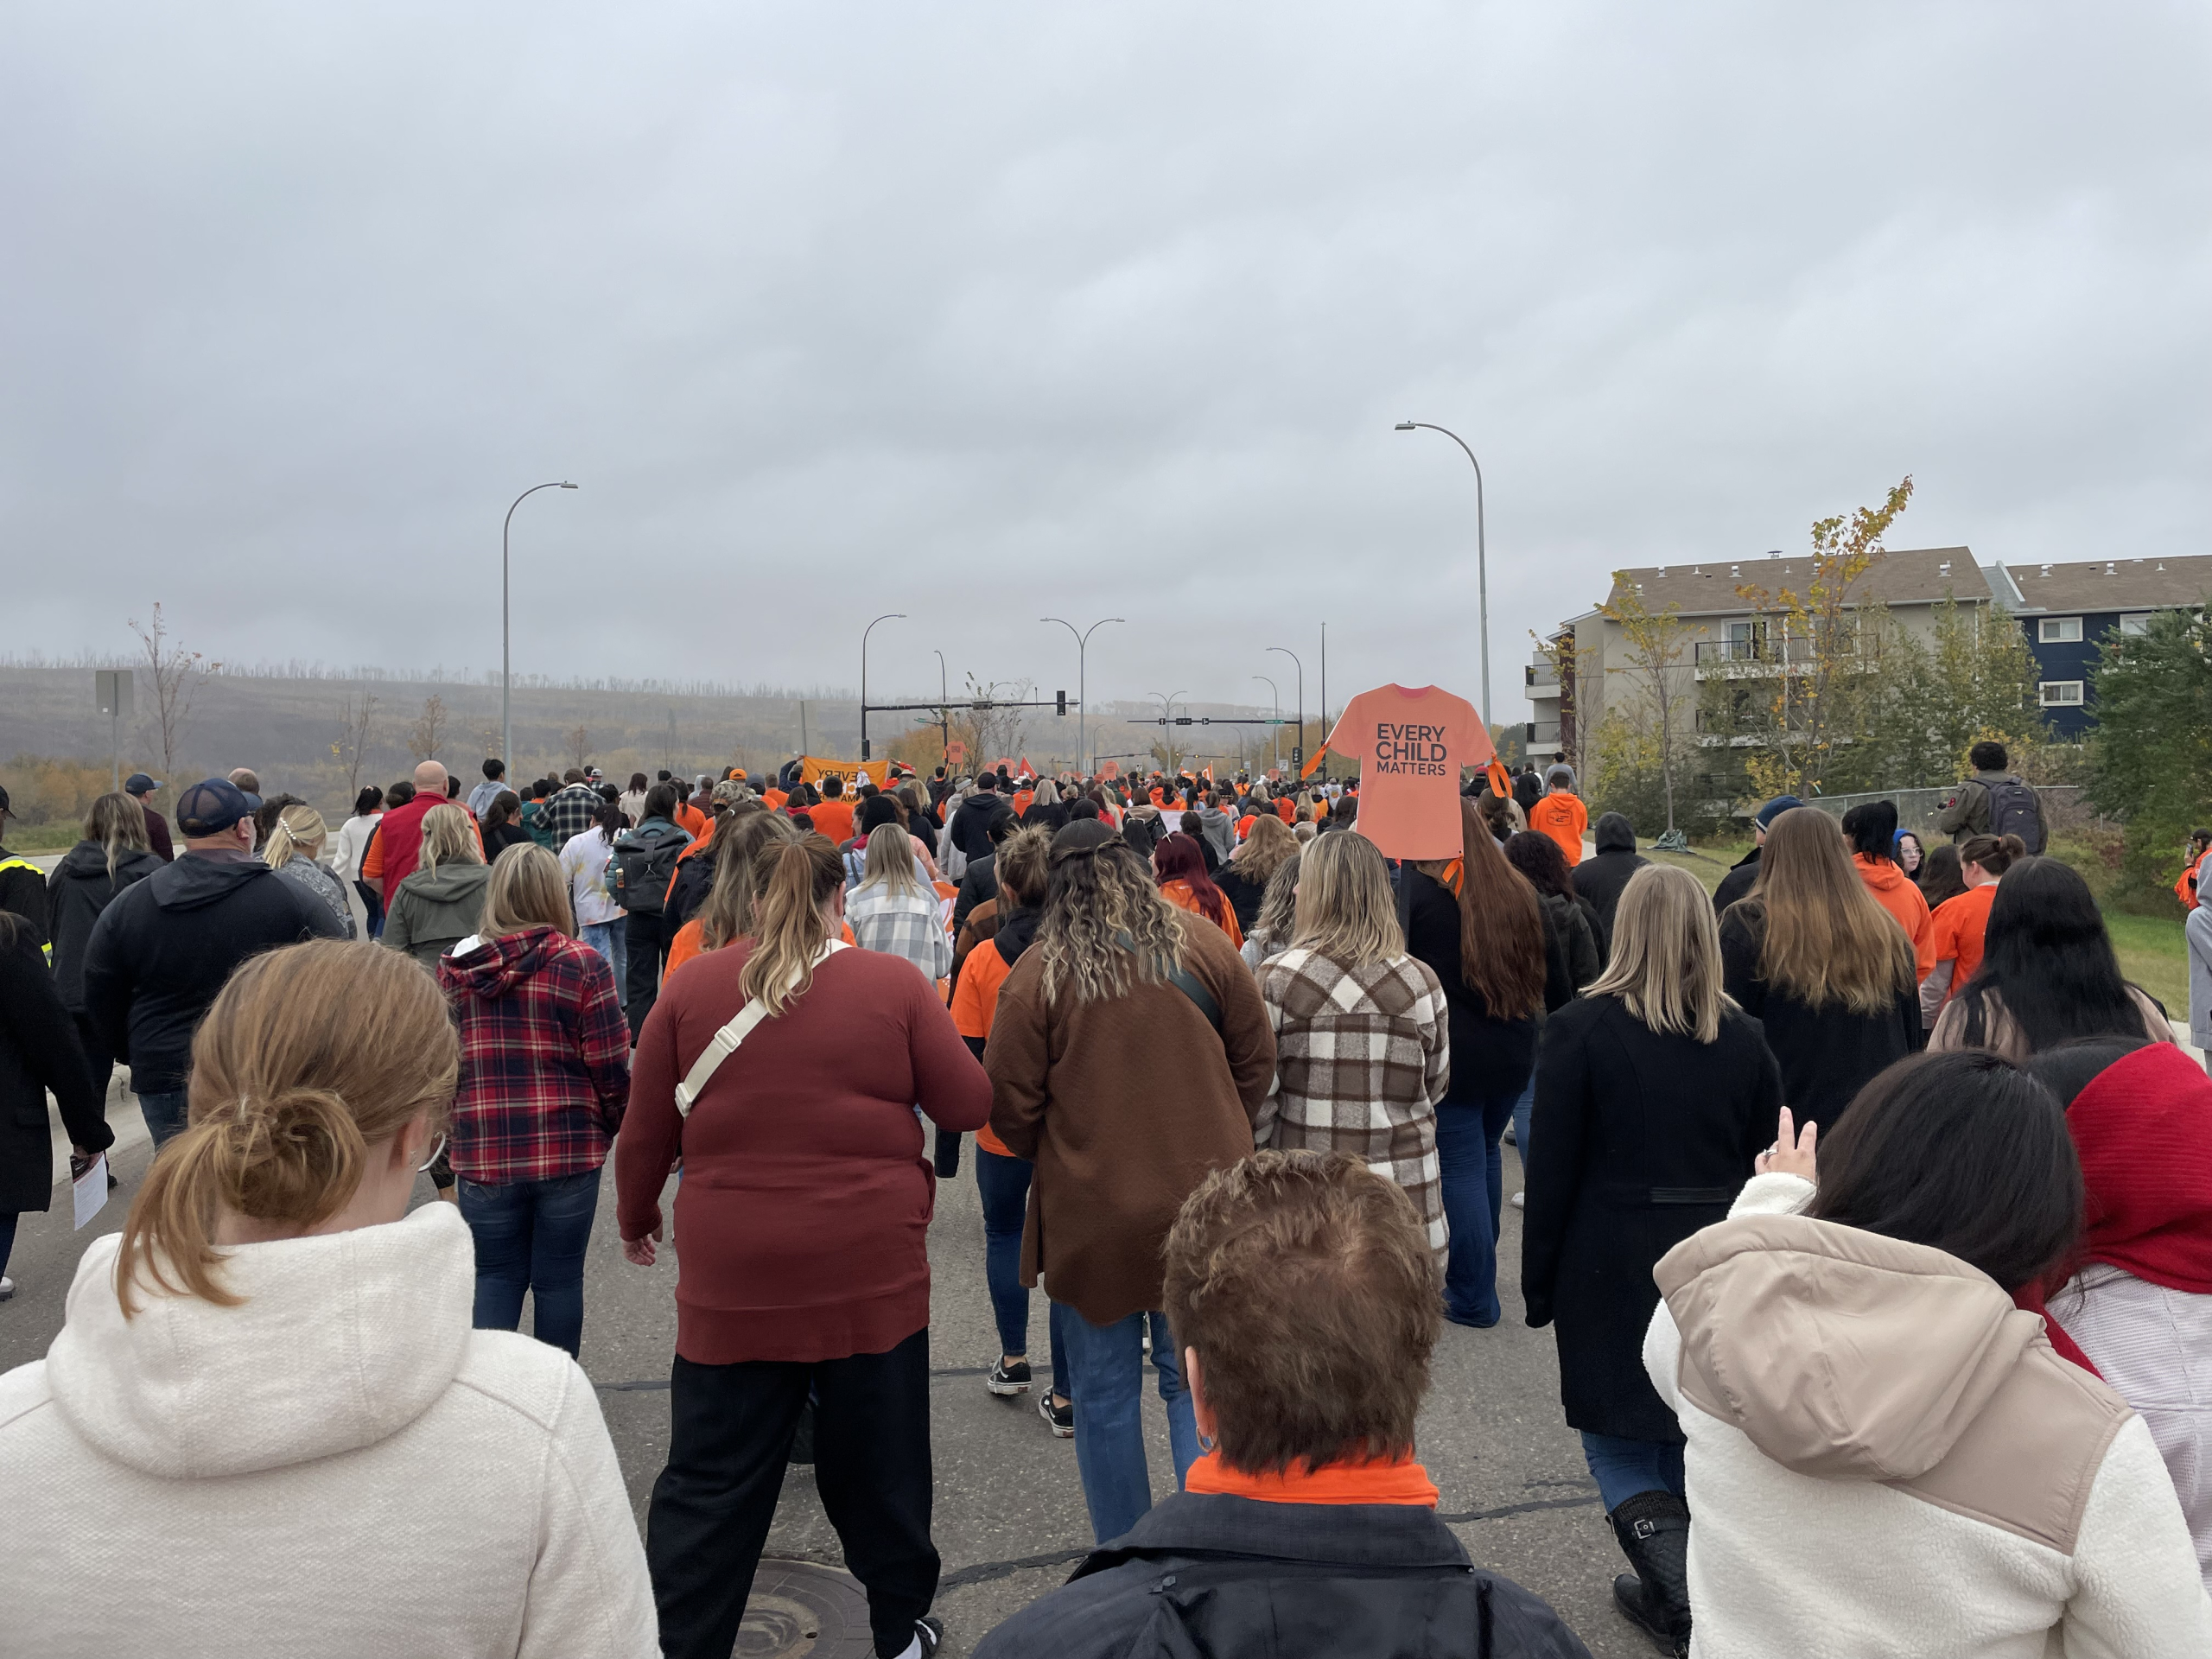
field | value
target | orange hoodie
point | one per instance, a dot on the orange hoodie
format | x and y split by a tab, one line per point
1893	890
1563	817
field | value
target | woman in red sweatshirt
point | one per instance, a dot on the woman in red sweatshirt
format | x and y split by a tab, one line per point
805	1211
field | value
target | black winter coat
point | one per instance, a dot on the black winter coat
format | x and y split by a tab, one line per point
1209	1573
164	947
76	893
1489	1056
1578	954
694	879
1827	1055
978	885
1244	895
1737	884
1638	1139
1598	881
970	828
22	892
39	1050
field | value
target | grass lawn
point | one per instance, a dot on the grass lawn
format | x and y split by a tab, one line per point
2151	952
43	837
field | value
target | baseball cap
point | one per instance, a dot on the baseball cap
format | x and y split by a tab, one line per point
139	783
1774	809
212	805
3	800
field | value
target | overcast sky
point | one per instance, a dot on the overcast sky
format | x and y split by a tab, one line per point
986	313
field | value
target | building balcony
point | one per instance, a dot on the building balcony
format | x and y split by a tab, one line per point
1542	734
1541	679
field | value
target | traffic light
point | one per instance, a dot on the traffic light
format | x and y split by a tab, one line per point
1063	708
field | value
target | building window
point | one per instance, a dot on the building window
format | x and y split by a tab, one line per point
2060	630
2062	694
2135	621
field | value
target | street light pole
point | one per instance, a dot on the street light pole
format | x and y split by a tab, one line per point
1167	727
1297	749
507	661
1482	554
886	617
1082	650
944	714
1275	732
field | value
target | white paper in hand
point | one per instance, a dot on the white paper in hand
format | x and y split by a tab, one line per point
90	1189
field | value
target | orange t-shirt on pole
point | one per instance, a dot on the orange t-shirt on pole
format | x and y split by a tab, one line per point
1411	745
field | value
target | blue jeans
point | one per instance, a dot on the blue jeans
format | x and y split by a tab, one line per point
1004	1183
531	1236
1106	1383
1623	1467
609	940
1473	1168
164	1114
1521	1110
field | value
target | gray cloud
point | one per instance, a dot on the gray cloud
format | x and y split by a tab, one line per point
986	313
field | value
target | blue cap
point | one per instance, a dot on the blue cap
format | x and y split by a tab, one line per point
139	783
212	805
1774	809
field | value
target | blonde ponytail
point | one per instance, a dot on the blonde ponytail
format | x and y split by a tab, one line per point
797	878
311	1056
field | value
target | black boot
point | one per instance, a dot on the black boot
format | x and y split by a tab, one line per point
1654	1530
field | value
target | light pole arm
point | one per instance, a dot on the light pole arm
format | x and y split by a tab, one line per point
506	668
887	617
1482	548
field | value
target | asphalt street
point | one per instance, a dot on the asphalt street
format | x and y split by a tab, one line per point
1010	1520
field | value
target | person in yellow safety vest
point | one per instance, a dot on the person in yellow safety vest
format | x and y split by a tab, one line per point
23	886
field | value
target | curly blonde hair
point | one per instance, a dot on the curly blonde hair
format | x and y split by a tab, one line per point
1105	927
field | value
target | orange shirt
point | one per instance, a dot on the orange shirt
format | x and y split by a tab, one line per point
1375	1480
1411	743
1178	894
975	1005
775	798
1021	800
1894	891
1285	809
833	819
691	940
1563	817
1956	928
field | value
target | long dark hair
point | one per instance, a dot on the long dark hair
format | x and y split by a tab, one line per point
1179	858
1501	923
1964	1152
1871	826
1538	857
2047	958
1941	874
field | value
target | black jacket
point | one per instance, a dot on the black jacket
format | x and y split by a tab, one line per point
1528	789
76	893
1215	1574
694	879
1244	895
1490	1058
39	1050
1737	884
1827	1054
164	947
22	892
1600	877
1574	955
970	828
1637	1140
978	885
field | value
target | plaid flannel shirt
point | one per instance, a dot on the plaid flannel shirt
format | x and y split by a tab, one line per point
545	1067
1362	1058
570	811
902	924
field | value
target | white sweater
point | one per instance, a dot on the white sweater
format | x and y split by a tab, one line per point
338	1466
1886	1458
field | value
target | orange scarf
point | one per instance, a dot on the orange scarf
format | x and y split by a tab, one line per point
1375	1480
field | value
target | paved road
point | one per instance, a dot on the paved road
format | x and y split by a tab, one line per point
1009	1513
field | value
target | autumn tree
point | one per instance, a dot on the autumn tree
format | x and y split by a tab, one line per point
1823	640
429	728
1657	641
356	728
578	746
1975	679
176	674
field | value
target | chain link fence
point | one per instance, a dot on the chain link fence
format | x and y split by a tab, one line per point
1917	809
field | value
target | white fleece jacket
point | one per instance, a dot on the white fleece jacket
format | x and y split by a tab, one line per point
338	1466
1886	1458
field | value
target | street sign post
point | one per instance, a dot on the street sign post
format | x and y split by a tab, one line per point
113	688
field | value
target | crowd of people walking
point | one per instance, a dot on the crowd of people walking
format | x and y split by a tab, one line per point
1869	1203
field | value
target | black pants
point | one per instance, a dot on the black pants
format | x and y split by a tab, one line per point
647	950
730	1430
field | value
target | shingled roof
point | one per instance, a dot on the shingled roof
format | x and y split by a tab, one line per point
1920	575
2112	584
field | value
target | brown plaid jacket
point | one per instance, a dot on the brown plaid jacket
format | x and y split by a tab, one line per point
1361	1056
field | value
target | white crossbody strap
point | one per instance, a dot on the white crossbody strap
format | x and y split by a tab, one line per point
726	1040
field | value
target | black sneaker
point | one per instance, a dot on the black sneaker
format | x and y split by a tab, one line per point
929	1632
1007	1379
1059	1415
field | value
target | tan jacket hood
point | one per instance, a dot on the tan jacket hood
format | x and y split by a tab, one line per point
1839	1353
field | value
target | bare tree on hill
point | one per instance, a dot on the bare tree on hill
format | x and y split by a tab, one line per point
580	745
177	673
356	728
429	729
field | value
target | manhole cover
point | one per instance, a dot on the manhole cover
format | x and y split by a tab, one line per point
799	1608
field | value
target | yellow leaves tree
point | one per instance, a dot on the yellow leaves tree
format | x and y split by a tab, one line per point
1823	640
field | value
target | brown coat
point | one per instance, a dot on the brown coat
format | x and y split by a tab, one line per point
1115	1160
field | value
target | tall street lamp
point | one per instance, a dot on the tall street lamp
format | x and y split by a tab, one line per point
1082	648
1167	727
887	617
1275	733
1482	559
944	714
507	661
1297	749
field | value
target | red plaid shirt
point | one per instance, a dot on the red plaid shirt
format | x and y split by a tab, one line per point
544	1057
